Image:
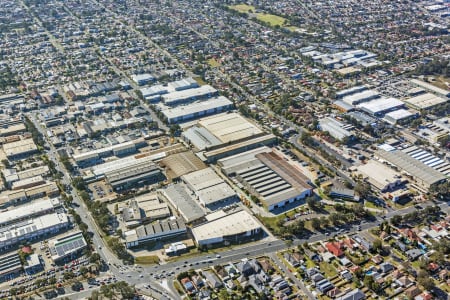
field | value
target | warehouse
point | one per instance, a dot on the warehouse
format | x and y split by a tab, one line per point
12	129
160	230
142	79
269	177
380	106
28	211
183	84
188	95
182	163
429	87
212	132
423	175
400	116
353	90
361	97
181	199
335	128
134	175
143	209
264	140
20	149
223	228
32	229
425	101
211	190
196	110
379	175
10	266
67	247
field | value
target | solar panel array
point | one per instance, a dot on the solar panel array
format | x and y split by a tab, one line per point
68	247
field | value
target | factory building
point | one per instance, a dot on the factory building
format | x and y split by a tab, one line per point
196	110
28	211
268	176
20	149
425	101
335	128
31	229
67	247
357	98
379	107
423	175
353	90
179	164
10	266
188	95
182	200
431	88
210	189
159	230
380	176
135	174
226	228
401	116
144	209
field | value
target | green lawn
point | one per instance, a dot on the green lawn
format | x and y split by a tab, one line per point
273	20
328	269
243	8
149	259
213	63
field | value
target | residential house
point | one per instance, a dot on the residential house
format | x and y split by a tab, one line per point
335	248
294	259
404	282
356	294
386	268
424	296
212	279
412	292
377	259
413	254
346	275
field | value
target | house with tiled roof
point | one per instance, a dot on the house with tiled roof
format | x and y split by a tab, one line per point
335	248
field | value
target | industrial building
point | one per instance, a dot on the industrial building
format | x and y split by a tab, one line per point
10	266
210	189
431	88
48	189
400	116
137	173
144	209
11	175
335	128
227	150
12	129
28	211
380	106
226	228
84	159
179	164
439	164
188	95
268	176
181	199
357	98
31	229
425	101
379	175
443	123
196	110
67	247
350	91
142	79
159	230
423	175
20	149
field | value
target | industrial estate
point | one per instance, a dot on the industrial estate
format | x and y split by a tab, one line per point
224	150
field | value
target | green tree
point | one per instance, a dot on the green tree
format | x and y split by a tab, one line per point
315	223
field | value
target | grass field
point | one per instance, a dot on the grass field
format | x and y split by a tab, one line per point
147	260
273	20
243	8
213	63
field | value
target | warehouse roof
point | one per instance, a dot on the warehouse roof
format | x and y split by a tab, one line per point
380	105
228	225
414	167
177	96
181	199
425	101
200	137
379	175
23	211
19	147
182	163
66	245
201	179
399	114
431	87
191	109
229	127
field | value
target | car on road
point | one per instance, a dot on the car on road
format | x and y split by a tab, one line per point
218	256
